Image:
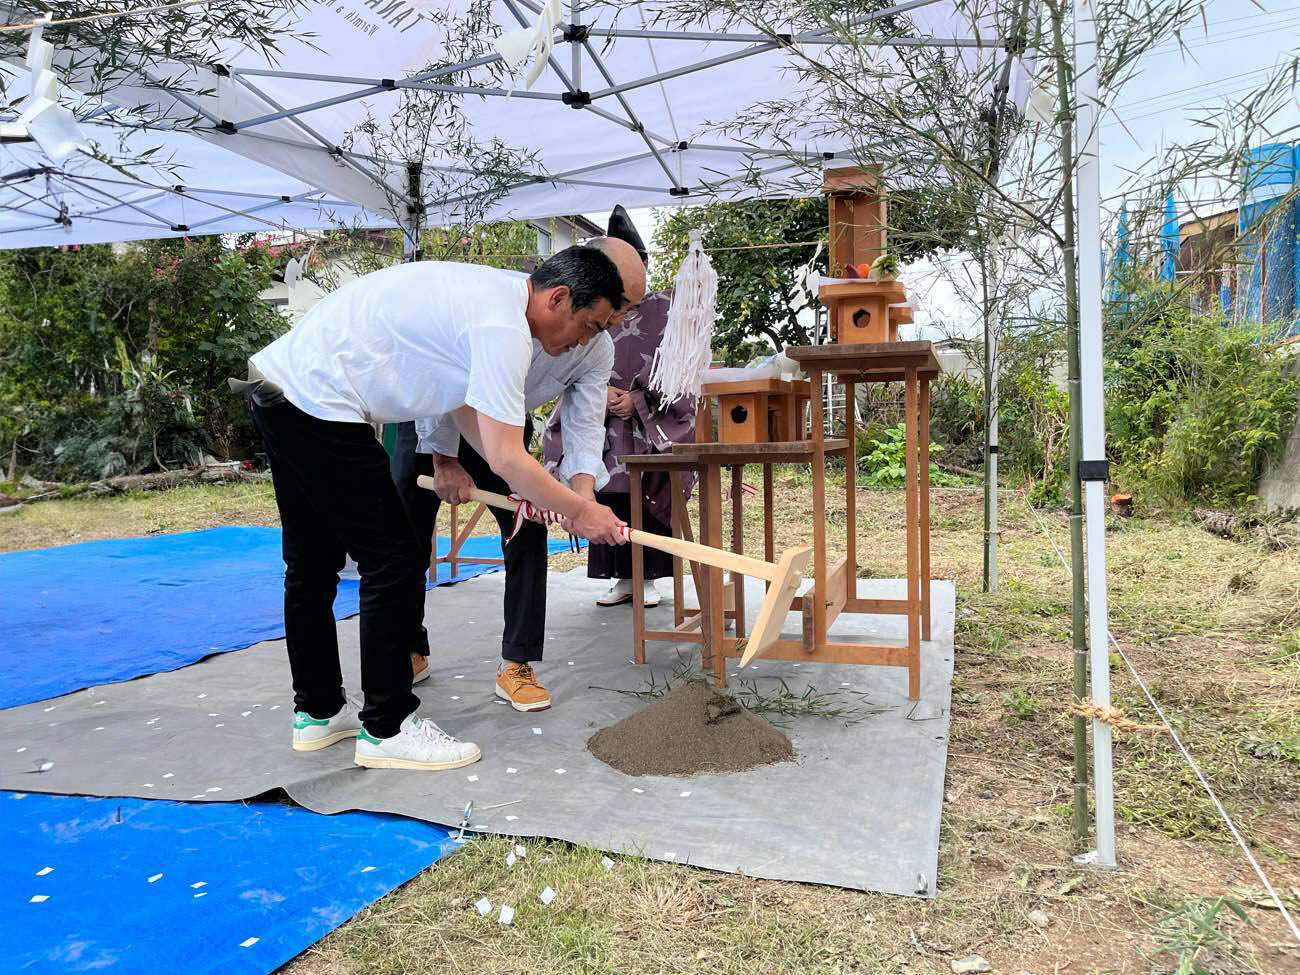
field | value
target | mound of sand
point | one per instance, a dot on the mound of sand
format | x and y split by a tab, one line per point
692	730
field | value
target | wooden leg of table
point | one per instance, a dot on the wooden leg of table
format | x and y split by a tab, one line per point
818	513
925	509
453	540
913	549
851	488
678	502
638	569
711	534
738	544
769	529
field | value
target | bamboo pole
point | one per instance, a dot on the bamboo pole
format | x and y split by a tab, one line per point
1078	605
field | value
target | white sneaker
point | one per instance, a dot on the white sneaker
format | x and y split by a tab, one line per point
620	592
420	744
311	733
651	594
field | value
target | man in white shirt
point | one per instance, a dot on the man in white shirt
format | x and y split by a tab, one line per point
410	341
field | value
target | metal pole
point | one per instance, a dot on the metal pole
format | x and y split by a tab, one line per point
1078	625
1092	465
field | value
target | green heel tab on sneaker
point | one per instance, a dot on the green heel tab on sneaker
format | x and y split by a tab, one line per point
303	720
364	735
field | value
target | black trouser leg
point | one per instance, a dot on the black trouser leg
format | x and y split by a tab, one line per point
421	504
338	496
524	629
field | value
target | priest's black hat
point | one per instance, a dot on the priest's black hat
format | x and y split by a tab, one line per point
621	226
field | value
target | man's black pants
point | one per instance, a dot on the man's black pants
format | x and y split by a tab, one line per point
336	497
525	600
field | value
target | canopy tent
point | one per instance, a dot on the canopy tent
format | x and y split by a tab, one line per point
405	109
632	105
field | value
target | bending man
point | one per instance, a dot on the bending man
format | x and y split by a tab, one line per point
410	341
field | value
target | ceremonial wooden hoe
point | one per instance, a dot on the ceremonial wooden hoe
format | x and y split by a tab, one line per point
784	574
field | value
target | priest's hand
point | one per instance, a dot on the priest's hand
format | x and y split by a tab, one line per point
451	481
619	402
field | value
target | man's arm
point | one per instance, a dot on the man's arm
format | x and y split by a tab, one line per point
582	417
502	446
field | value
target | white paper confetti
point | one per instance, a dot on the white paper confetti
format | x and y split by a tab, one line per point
44	871
249	942
844	683
155	878
459	677
39	898
570	663
537	731
638	790
222	725
507	914
168	775
201	696
215	788
202	893
152	721
275	707
607	863
51	708
547	896
245	714
46	766
100	728
511	859
483	906
472	778
511	771
366	869
559	771
511	819
521	850
197	884
23	749
146	785
683	795
455	697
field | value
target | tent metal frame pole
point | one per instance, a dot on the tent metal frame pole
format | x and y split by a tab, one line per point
811	38
1091	395
369	174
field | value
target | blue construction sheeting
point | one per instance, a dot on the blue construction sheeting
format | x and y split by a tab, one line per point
81	615
133	885
1270	271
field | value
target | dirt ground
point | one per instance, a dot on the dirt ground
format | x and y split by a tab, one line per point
1212	625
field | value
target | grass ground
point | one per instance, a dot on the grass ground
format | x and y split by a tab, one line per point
1214	627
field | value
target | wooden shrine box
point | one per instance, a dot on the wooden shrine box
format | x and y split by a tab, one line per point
858	216
898	315
859	310
758	410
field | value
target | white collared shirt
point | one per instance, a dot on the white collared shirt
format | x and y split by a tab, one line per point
580	378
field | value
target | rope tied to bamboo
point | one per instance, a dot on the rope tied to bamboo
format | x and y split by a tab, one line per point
1114	717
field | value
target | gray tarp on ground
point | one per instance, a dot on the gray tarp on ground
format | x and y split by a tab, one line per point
859	808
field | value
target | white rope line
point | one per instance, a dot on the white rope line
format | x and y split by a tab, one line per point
105	16
1187	756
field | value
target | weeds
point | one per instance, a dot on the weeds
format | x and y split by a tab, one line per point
1194	931
1022	705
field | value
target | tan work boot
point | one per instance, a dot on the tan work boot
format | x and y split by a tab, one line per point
419	668
518	684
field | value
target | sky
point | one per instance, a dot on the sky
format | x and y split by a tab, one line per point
1227	56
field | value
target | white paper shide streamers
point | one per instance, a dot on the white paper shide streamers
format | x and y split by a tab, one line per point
516	46
687	346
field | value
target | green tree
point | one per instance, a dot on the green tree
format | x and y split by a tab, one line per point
764	249
82	327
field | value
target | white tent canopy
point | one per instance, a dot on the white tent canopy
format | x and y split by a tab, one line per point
631	107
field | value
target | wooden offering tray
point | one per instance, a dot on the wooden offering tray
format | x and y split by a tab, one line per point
757	411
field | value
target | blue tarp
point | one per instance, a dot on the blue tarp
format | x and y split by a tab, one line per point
81	615
131	885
